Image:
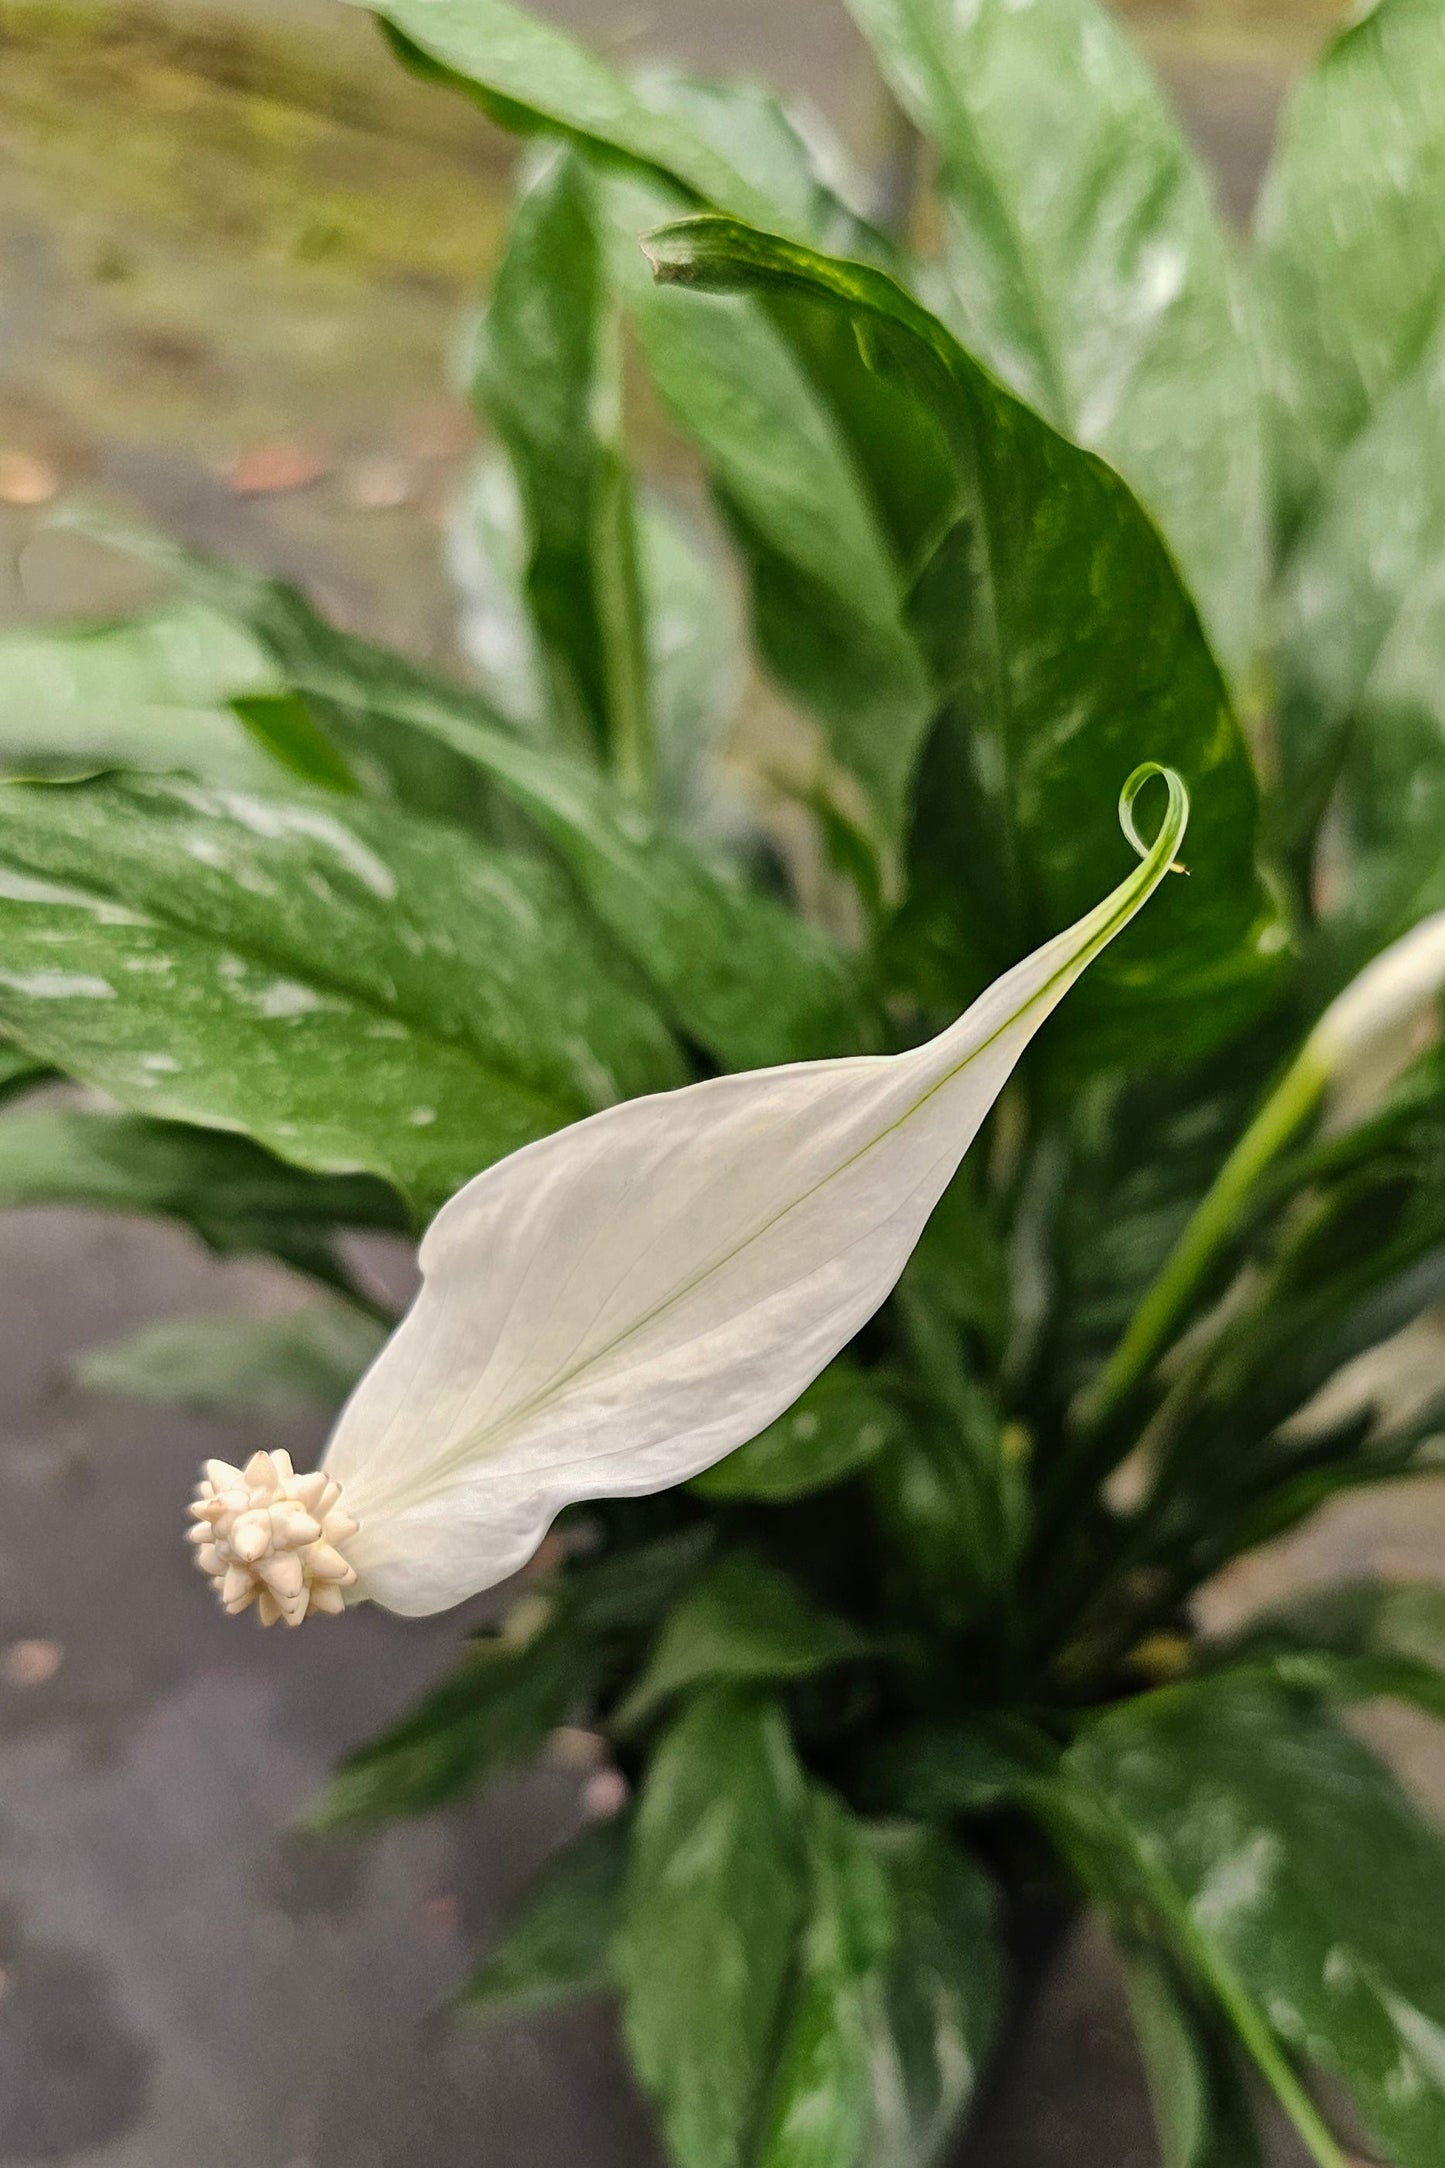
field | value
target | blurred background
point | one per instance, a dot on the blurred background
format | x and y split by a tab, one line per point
238	247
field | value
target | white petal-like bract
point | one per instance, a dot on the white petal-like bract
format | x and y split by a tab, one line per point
613	1308
1391	990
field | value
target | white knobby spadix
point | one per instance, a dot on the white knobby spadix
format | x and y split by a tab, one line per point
610	1310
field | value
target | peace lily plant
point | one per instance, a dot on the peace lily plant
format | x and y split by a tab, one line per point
614	1308
898	1339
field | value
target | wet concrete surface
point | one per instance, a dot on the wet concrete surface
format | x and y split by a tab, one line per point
184	1982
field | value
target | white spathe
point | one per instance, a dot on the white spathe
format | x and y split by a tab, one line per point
1391	990
612	1309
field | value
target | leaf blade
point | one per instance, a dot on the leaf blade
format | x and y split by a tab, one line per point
269	949
717	1868
1252	1812
1053	517
1107	299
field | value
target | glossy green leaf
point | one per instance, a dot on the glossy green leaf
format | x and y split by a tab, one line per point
236	1197
745	978
356	989
1298	1880
1085	263
152	692
820	2101
1354	1638
19	1071
1195	2069
741	975
945	1490
836	1427
531	76
743	1620
959	1268
828	591
894	2001
828	596
238	1365
348	687
834	637
545	370
284	725
729	144
716	1892
697	652
692	626
559	1944
499	1704
1360	646
791	158
942	2002
1351	236
1391	803
943	1767
1050	538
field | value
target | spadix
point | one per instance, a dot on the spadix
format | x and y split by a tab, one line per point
612	1309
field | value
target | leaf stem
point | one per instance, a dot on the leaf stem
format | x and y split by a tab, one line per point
1286	1110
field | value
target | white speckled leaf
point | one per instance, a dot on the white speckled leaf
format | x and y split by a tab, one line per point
1351	234
614	1308
354	987
1084	260
1308	1890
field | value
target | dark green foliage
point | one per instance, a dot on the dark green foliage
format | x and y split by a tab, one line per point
560	1943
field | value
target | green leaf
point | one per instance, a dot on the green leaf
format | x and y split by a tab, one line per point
828	596
1056	684
836	1427
735	148
236	1197
545	370
1196	2080
355	988
942	2001
715	1894
794	160
744	978
344	682
736	386
943	1767
821	2098
238	1365
743	1620
559	1944
1354	1638
692	624
1391	803
492	1714
828	591
151	692
19	1071
284	724
697	652
1105	295
497	1708
1351	236
959	1269
1360	646
944	1491
1298	1881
